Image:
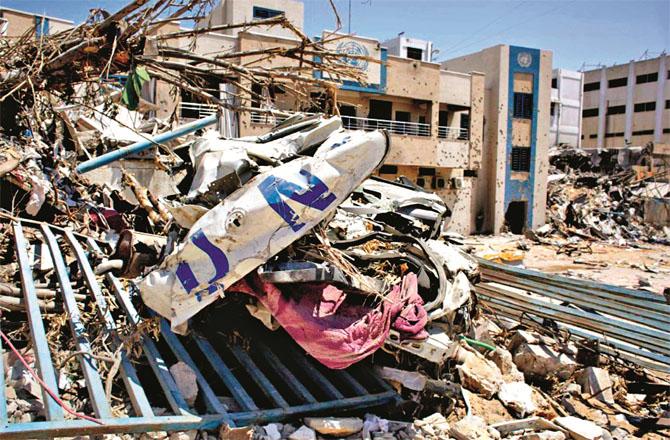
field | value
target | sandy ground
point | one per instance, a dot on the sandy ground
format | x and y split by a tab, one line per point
644	267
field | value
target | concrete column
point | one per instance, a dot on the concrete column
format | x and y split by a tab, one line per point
660	95
602	109
630	96
434	119
476	120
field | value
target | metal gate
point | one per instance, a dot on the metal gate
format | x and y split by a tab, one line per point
268	379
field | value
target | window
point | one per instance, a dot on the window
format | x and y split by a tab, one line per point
520	159
469	173
414	53
421	182
593	136
402	116
523	105
643	132
588	87
611	135
388	169
666	130
645	106
263	13
552	109
554	83
667	103
668	74
646	78
426	171
589	112
616	110
618	82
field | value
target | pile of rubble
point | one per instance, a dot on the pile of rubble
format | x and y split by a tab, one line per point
128	228
611	197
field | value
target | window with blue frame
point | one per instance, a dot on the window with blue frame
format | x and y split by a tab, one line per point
41	26
523	105
261	13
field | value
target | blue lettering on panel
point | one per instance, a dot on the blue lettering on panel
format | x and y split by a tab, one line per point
315	196
219	261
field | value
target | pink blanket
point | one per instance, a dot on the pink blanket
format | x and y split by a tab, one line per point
333	330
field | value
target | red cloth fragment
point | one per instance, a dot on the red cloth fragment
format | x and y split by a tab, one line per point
335	332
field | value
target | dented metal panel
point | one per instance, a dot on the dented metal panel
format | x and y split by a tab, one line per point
257	221
632	324
289	383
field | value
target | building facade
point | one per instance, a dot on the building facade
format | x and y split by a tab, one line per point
627	104
15	23
413	48
511	187
475	130
566	108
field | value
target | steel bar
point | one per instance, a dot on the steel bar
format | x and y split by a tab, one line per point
180	352
322	381
226	375
38	337
88	365
258	376
608	345
139	400
645	316
140	146
266	416
649	338
605	335
282	371
583	285
156	362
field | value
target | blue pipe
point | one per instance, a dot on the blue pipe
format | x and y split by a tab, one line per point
137	147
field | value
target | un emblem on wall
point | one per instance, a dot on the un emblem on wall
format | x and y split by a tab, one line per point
524	59
353	48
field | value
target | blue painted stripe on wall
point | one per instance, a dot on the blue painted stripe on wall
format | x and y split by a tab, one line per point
522	190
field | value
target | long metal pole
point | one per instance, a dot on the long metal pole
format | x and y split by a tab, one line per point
137	147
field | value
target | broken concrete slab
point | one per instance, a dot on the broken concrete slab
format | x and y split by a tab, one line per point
477	373
542	360
596	382
186	381
580	429
517	396
505	362
336	426
473	428
303	433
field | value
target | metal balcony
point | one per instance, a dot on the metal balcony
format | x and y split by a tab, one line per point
394	127
453	133
196	110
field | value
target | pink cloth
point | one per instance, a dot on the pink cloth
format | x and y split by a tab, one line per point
334	331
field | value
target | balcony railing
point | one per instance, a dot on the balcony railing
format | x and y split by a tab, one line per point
195	110
453	133
266	118
395	127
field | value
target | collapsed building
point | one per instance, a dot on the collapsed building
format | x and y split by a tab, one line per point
161	269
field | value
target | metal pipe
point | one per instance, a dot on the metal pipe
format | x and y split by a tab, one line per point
140	146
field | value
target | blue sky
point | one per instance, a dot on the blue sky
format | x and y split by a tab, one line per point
577	31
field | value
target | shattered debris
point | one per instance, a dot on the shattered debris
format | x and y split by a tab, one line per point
164	276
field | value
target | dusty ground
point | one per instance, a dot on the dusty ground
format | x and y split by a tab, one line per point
644	267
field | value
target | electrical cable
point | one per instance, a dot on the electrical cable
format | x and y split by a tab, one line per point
53	395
